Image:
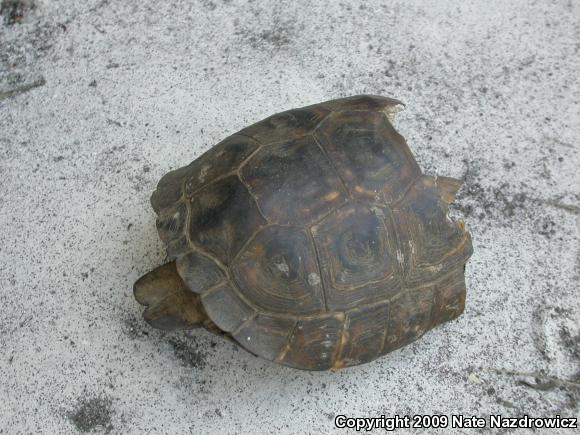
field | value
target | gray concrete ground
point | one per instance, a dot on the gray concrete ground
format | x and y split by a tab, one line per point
99	99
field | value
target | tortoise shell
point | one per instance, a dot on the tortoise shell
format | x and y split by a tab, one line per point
314	239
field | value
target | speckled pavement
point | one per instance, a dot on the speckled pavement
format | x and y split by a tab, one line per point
99	99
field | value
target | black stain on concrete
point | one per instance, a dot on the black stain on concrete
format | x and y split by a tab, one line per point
135	328
14	11
505	204
500	201
571	342
92	413
189	352
276	37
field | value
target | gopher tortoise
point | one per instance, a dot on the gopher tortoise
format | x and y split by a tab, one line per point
311	238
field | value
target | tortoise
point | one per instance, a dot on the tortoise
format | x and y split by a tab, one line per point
311	238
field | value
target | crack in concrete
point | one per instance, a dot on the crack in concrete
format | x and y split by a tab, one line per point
22	89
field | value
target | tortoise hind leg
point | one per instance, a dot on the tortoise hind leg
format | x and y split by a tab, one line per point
170	304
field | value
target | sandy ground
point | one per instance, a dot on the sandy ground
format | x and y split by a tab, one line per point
98	100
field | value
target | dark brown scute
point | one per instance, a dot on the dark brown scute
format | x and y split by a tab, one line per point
223	217
227	310
170	304
450	294
357	252
171	225
410	318
287	125
219	160
265	336
279	272
433	244
169	189
293	181
199	272
314	343
365	332
448	188
363	103
370	156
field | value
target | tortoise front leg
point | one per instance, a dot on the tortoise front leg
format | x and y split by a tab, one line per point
170	304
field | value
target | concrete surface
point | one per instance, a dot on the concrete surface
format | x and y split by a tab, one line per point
98	99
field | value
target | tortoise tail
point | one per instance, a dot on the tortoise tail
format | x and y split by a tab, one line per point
170	304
